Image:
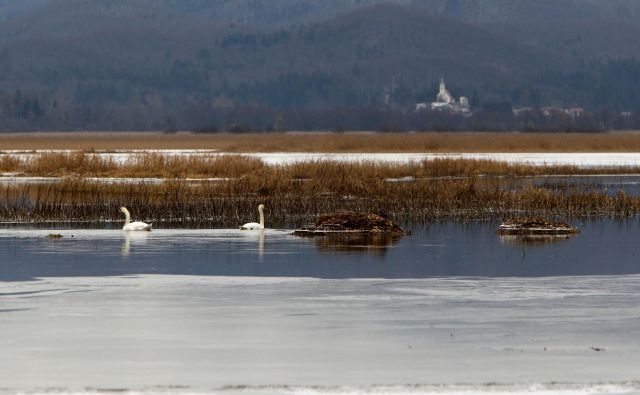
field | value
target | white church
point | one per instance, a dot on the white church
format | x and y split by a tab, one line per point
446	102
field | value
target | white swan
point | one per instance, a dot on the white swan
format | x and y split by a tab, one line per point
128	225
255	225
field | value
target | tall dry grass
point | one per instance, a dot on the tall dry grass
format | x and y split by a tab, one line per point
442	189
293	202
79	164
331	142
433	142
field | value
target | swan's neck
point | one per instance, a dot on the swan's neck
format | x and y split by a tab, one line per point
127	218
261	216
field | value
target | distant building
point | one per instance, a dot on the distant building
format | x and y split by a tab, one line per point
446	102
522	110
574	112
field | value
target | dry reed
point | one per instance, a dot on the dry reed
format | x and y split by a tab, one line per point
79	164
290	202
330	142
296	193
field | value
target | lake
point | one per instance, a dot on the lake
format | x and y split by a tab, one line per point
453	308
605	247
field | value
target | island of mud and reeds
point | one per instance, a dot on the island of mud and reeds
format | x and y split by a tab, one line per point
529	226
530	230
348	230
224	190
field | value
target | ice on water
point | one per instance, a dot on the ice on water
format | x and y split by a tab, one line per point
445	311
206	333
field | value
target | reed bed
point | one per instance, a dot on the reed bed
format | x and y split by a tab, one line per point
433	142
234	185
329	142
290	202
80	164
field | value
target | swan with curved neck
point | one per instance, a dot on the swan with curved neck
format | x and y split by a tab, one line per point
255	225
135	226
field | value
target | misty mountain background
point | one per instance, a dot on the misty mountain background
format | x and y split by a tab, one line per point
185	64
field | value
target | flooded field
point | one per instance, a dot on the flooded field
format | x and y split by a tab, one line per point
453	308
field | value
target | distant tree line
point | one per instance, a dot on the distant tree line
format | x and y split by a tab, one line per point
21	111
609	91
313	65
614	85
492	117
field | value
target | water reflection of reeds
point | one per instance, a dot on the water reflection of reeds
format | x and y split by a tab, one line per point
533	240
356	243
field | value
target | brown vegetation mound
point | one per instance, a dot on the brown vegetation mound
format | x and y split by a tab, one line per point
351	222
529	225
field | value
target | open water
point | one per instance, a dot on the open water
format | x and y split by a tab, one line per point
453	308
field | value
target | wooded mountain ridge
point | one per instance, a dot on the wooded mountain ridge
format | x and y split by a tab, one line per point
148	64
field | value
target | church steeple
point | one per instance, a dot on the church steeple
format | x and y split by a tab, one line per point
447	103
444	96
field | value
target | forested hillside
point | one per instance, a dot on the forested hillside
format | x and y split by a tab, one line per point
166	64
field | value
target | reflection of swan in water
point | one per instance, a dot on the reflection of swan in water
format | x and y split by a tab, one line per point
255	225
261	244
138	238
249	238
133	226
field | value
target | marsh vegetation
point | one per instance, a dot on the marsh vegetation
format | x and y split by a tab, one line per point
230	166
232	186
329	142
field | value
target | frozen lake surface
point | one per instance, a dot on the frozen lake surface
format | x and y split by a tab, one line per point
452	309
584	160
